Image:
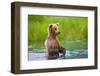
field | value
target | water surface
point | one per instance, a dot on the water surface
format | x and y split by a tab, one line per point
76	54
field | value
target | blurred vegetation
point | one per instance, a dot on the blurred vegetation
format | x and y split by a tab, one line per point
74	31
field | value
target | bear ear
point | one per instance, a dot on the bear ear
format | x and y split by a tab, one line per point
50	26
57	24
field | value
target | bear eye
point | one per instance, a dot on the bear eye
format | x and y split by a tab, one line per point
55	28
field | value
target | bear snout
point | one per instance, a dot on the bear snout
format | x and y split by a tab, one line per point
58	33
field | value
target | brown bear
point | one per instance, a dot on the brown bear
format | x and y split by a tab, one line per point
52	43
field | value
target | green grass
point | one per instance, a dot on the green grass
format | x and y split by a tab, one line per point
74	31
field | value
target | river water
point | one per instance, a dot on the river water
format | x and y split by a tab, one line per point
76	54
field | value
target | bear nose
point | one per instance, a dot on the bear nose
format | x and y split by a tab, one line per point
58	32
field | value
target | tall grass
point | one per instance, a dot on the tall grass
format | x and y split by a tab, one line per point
73	30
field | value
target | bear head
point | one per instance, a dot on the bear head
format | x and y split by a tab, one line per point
54	29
